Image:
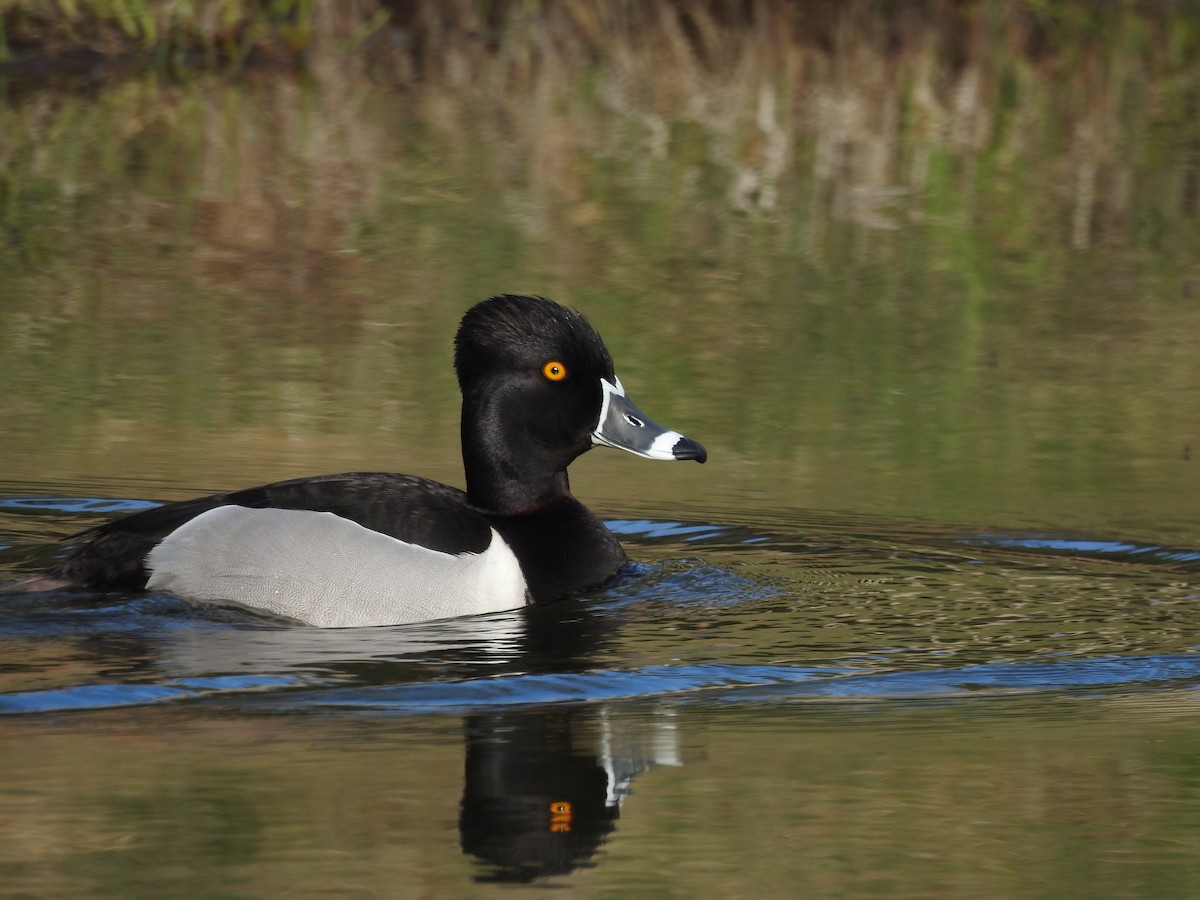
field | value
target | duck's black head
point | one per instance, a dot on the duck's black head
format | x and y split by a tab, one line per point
514	333
538	390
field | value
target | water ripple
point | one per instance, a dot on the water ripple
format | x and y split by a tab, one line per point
1084	547
723	683
714	613
74	505
108	696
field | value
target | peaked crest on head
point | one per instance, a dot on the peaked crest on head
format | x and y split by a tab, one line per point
519	331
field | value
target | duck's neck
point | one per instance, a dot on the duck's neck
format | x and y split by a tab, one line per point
503	480
494	489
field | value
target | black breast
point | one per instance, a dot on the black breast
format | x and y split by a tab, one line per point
562	547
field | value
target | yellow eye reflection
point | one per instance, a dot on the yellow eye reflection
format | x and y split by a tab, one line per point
554	370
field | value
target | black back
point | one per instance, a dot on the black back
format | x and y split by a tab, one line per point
406	507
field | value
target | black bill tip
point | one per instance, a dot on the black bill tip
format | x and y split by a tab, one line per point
686	448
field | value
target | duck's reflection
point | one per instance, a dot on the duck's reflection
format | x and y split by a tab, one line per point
532	804
543	785
544	788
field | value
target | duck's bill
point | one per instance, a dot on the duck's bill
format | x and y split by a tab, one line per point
624	426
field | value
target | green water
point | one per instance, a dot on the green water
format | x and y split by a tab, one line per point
919	282
982	799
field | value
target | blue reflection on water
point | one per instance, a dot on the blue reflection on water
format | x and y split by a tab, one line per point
105	696
722	683
713	683
652	529
1082	546
74	504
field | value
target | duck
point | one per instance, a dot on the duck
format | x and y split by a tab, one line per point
377	548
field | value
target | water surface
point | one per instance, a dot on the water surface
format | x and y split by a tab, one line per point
854	708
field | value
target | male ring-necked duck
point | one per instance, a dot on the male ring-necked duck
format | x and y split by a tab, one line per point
356	549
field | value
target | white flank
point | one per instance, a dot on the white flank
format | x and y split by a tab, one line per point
327	571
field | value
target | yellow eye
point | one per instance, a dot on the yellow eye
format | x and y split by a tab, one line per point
554	370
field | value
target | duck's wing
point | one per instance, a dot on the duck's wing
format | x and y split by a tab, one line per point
410	509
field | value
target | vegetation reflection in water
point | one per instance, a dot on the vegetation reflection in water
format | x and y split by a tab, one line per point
930	282
924	279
